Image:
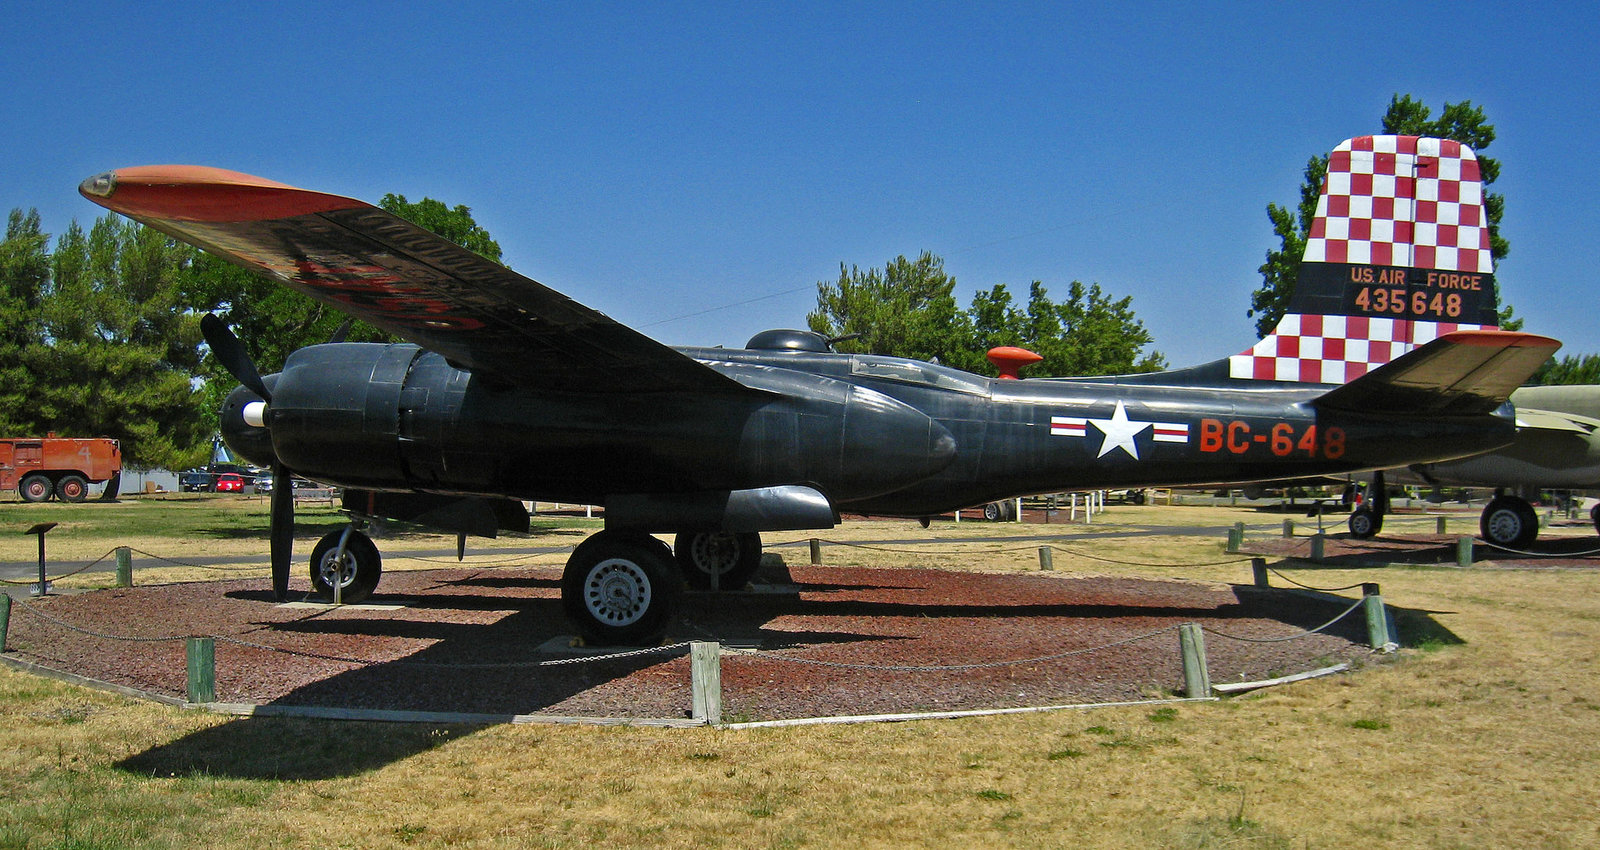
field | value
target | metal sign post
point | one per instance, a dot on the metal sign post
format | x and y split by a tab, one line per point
42	529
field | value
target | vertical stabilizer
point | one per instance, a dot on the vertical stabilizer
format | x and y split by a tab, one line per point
1397	256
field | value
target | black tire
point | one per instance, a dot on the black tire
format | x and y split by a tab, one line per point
358	572
72	488
993	511
621	588
734	558
1364	523
35	487
1509	522
1594	516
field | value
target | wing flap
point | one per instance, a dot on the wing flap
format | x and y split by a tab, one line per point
1458	374
406	280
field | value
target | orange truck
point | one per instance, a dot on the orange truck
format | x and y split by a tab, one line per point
63	467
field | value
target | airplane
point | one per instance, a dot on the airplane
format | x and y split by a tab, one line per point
1557	446
505	390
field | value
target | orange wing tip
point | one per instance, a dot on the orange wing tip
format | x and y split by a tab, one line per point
200	193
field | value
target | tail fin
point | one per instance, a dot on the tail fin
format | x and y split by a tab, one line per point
1397	256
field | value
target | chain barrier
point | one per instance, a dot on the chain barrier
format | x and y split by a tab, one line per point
1320	589
1309	632
1028	547
1146	563
108	554
942	668
212	567
1584	554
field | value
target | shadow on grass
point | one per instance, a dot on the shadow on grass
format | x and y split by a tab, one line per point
275	748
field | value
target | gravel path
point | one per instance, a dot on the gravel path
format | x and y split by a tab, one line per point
469	640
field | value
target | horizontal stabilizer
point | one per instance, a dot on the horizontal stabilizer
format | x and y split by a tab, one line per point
1459	374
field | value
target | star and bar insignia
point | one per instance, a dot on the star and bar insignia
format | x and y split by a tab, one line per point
1119	431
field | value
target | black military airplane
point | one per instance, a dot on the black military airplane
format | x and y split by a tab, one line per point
509	391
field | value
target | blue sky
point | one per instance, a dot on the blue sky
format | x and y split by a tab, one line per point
659	160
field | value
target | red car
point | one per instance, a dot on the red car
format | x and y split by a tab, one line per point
230	482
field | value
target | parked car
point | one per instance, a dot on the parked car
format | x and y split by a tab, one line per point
264	481
194	481
230	482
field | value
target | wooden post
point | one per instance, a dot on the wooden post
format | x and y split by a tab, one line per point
124	567
202	682
816	552
1233	539
1317	543
1439	525
1288	528
1463	551
1196	678
5	618
1046	558
1258	571
1378	624
705	670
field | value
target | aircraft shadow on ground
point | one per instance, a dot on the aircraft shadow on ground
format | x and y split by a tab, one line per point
484	668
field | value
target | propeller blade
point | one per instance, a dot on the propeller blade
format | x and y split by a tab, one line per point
342	331
230	351
282	537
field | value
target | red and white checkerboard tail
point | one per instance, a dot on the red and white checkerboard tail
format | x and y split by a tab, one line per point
1397	256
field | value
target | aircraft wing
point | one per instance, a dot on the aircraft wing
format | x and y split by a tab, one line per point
406	280
1555	420
1460	373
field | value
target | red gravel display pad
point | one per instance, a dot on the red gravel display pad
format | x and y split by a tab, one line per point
832	640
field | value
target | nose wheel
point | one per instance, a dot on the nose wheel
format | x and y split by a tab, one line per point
355	567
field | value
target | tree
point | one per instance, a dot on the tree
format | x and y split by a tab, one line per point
1088	334
1568	370
1461	122
453	223
906	310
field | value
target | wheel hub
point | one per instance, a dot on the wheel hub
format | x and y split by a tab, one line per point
338	571
1504	526
617	592
715	553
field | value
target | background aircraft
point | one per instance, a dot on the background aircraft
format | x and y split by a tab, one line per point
510	391
1557	447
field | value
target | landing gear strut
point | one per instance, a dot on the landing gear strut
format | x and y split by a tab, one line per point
1367	519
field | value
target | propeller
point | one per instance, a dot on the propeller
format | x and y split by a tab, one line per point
230	352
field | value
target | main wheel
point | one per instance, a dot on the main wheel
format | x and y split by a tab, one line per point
732	558
1509	521
72	488
1364	523
620	588
357	573
1594	516
35	488
992	512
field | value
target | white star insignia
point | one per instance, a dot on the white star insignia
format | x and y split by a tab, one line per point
1119	431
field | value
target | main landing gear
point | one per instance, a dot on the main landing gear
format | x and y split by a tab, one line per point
1373	503
619	587
1509	521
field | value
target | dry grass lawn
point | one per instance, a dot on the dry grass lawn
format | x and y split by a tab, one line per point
1484	738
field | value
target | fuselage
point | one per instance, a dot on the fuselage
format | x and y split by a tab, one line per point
873	434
